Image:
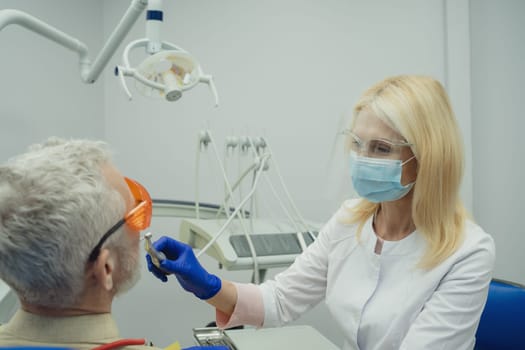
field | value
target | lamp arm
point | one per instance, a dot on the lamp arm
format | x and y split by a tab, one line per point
119	33
132	45
208	79
89	73
167	45
25	20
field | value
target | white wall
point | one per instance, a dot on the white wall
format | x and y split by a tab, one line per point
40	85
498	73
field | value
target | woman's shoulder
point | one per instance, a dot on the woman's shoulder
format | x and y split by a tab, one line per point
476	236
477	243
345	211
350	203
339	226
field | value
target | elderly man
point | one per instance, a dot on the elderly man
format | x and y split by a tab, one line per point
69	243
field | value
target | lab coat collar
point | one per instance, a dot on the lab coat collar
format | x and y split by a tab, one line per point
414	243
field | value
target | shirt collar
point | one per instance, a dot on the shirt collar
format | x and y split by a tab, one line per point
70	329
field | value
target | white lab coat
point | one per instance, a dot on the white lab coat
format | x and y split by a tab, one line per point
383	301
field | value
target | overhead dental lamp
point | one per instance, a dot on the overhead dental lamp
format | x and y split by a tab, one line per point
167	71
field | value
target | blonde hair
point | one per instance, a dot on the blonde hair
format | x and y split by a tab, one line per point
419	109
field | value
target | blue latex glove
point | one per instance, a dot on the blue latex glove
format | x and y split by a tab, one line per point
208	347
182	262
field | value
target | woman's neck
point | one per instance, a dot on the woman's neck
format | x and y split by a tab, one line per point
393	220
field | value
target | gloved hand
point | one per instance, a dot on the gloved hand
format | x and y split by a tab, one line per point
208	347
182	262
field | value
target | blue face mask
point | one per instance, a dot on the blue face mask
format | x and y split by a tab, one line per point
378	180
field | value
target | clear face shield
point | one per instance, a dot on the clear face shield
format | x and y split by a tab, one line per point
374	148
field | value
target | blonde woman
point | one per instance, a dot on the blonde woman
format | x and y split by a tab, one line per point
403	267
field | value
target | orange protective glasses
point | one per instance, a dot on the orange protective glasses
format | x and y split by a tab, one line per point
138	219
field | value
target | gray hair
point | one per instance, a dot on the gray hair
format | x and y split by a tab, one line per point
55	205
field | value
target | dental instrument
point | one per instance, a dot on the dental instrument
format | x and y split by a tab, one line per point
156	256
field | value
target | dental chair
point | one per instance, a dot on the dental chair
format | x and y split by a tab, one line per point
502	323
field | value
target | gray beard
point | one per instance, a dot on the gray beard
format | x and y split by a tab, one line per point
129	271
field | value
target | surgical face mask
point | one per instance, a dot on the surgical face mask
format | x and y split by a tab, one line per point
378	180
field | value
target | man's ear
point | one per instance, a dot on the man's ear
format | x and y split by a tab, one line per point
104	268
